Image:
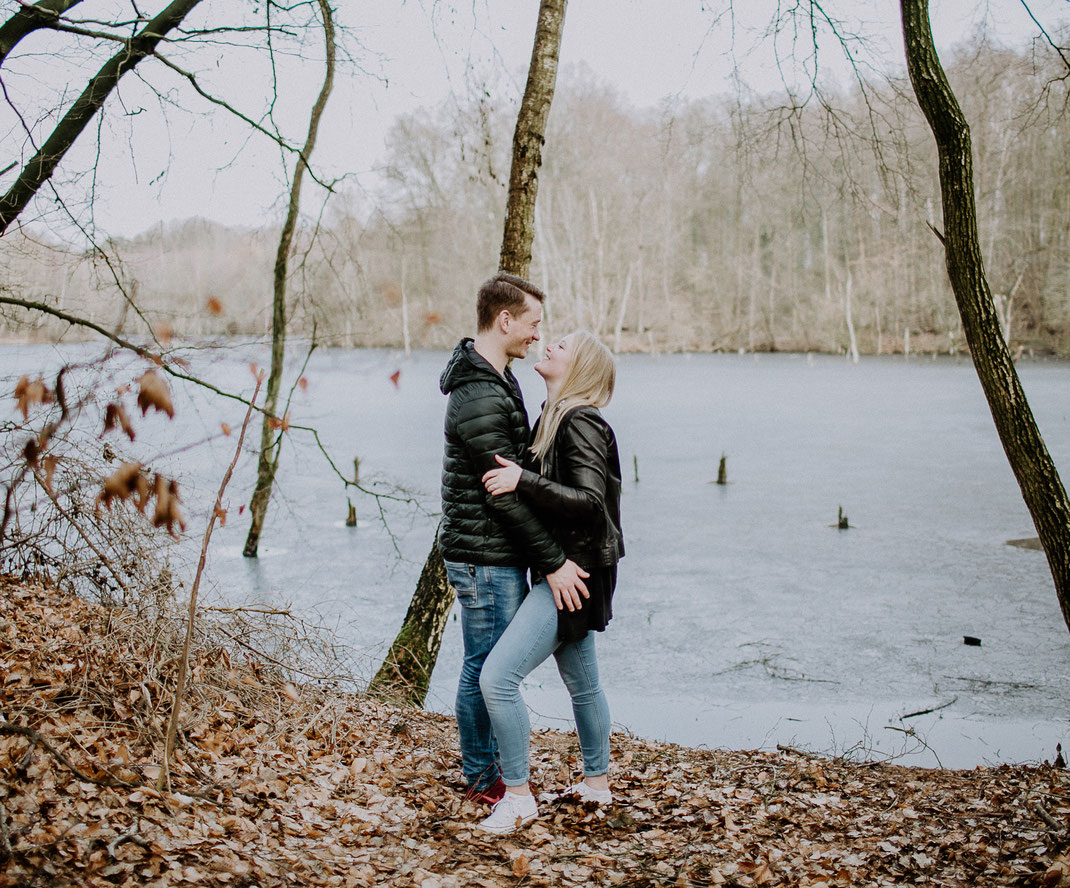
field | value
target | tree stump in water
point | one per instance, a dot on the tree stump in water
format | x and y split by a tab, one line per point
841	520
351	516
722	471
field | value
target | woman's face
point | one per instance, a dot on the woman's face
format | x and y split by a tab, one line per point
554	364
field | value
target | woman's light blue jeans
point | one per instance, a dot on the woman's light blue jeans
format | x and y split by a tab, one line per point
530	639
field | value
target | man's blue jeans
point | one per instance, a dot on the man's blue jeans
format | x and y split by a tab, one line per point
489	597
530	639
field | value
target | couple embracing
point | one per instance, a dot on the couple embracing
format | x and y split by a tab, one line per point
513	500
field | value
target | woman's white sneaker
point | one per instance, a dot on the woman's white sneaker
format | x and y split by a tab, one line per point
585	793
512	812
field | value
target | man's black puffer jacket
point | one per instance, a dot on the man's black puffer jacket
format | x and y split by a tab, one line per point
577	492
485	415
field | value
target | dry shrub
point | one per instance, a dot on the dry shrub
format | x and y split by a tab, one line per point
85	516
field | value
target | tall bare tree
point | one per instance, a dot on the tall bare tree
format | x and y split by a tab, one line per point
406	670
1041	487
273	426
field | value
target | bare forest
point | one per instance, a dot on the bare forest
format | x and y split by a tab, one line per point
740	221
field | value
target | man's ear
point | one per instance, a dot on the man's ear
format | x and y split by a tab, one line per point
504	319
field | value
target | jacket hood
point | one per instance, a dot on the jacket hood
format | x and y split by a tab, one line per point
465	365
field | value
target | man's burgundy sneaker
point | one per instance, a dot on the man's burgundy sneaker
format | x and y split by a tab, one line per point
489	796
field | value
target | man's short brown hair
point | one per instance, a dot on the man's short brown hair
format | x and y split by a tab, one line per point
503	292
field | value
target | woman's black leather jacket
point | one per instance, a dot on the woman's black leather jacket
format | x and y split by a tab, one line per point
577	492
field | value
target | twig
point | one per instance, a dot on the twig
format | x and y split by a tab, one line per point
274	662
1052	823
172	728
927	711
78	529
268	611
7	727
910	732
130	836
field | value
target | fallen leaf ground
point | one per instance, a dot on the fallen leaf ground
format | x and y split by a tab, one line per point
279	785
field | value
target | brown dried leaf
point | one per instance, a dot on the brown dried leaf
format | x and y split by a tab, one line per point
154	393
31	452
221	514
115	415
225	428
120	484
49	465
214	306
521	866
167	513
30	393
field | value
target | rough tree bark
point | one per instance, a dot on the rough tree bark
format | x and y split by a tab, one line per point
271	431
40	167
528	139
1041	487
406	671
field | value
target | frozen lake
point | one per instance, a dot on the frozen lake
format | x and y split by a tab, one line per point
743	619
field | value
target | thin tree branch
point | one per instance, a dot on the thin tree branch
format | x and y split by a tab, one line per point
41	166
28	19
183	665
1047	36
274	136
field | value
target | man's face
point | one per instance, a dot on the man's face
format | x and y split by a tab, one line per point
523	328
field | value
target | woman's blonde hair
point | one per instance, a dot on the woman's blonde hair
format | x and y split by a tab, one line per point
588	381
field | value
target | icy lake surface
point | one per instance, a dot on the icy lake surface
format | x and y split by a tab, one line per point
744	618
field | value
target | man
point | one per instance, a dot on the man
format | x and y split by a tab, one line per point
489	542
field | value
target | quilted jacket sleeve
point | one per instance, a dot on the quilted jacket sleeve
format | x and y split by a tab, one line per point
582	460
483	424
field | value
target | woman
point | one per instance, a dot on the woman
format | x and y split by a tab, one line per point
576	492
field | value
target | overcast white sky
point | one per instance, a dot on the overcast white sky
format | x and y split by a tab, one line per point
427	52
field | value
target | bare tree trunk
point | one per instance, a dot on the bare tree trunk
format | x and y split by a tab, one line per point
270	435
413	654
1041	487
405	311
529	137
406	671
41	166
848	287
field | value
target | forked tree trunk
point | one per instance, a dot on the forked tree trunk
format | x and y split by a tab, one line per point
271	432
1041	487
406	671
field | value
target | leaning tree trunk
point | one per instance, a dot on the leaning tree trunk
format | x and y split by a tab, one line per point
528	139
1038	479
406	672
412	656
271	432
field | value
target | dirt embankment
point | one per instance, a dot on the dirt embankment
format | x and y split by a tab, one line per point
280	785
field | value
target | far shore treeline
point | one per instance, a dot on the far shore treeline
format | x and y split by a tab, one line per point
742	222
